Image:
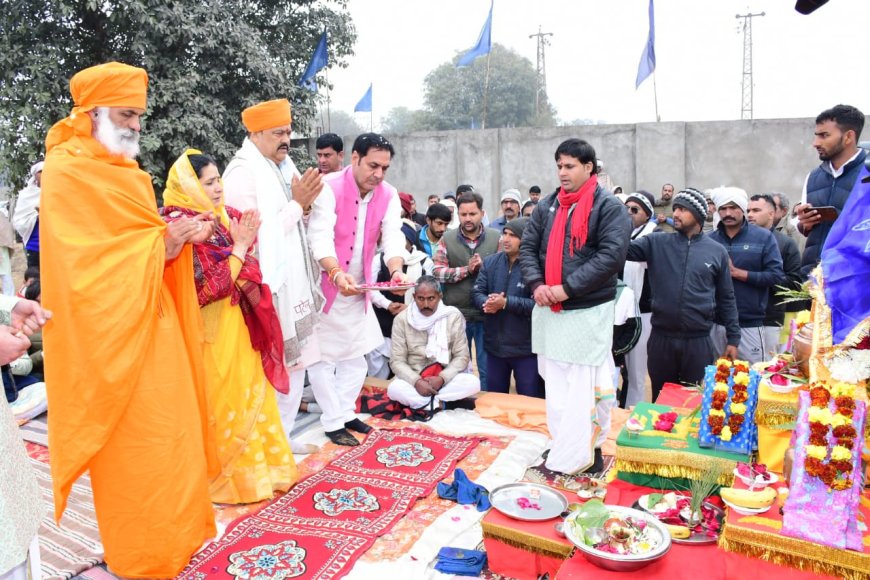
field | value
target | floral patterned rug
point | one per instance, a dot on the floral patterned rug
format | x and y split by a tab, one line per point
330	518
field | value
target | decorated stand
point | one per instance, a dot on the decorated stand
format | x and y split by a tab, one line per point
728	408
667	459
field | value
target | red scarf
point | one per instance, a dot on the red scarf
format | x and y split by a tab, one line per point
214	282
583	197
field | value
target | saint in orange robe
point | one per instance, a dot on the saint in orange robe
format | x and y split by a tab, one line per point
124	373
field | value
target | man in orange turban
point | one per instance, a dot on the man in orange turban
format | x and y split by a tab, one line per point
261	176
125	377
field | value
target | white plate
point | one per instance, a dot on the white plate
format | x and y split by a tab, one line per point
643	502
744	511
757	484
544	502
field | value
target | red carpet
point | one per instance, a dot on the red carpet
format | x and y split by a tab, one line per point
331	518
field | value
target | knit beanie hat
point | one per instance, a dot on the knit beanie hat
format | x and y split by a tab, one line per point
643	199
692	200
517	226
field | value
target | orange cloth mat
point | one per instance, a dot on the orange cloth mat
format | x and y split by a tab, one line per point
530	414
518	411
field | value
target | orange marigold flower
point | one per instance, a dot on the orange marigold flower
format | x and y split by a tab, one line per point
818	428
828	475
813	466
740	397
845	402
842	466
820	440
841	484
820	395
845	431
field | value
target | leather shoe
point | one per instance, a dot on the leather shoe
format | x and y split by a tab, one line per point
342	437
598	463
358	426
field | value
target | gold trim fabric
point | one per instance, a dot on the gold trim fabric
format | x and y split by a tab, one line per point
526	541
800	554
672	464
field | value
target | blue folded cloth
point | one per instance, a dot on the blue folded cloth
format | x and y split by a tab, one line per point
460	562
464	491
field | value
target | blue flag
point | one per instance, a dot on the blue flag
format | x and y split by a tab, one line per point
318	61
846	262
484	43
365	104
648	59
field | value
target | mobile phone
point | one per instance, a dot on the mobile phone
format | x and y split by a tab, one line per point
828	213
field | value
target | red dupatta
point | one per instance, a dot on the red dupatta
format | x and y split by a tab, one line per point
214	282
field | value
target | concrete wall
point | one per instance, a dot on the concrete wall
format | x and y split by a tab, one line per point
759	156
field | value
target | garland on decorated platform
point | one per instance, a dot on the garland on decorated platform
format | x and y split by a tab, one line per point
831	446
739	395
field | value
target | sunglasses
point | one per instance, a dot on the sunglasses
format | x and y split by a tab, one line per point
633	209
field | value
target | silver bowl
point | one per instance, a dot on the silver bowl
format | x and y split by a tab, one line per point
623	562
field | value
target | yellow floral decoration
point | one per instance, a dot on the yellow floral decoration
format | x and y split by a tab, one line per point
823	416
840	453
842	390
817	451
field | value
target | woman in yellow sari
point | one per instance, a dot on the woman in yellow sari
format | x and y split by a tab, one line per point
243	353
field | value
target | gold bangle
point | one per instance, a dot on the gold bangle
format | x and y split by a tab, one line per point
333	273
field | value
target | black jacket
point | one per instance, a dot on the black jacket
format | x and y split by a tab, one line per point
690	282
507	333
589	276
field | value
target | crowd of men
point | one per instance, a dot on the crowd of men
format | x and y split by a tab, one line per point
537	298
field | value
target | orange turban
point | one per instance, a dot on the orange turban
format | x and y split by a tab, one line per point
267	115
112	84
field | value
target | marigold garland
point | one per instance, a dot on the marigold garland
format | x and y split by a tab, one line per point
831	458
727	425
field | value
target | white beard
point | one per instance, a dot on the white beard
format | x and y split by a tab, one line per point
117	140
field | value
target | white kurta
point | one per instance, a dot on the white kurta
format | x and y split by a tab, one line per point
349	329
635	359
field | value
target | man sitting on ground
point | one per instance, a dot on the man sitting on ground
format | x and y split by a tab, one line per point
430	354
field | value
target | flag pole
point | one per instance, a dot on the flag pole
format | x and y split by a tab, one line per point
328	114
656	97
485	91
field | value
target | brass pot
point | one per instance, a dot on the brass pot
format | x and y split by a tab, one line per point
802	348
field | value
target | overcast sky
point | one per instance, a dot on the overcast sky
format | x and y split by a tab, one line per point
802	64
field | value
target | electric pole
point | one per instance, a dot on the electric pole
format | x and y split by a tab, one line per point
541	76
746	100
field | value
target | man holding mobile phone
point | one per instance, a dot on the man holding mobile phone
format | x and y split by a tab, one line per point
828	186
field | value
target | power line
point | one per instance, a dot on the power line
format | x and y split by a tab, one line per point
541	72
746	88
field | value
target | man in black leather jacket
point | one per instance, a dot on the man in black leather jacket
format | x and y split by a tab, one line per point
572	250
